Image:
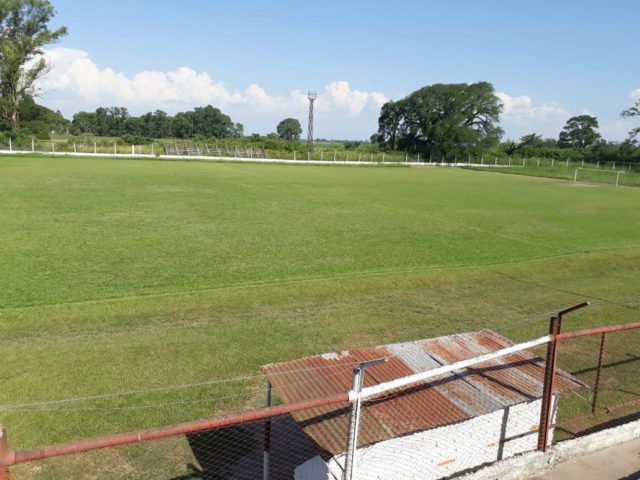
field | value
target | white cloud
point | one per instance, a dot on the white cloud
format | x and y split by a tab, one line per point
353	101
521	115
75	82
634	95
523	108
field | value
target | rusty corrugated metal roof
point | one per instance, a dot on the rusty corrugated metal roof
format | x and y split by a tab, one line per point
443	400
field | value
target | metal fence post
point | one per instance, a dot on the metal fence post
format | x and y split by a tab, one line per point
4	448
354	423
596	386
357	383
267	439
549	385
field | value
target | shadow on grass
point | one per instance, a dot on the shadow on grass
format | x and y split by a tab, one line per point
604	425
238	452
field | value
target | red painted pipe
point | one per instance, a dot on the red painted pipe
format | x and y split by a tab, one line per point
597	331
21	456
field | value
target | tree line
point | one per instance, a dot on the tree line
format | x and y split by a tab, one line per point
457	120
117	122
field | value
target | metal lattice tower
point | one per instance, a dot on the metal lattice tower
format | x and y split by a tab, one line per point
311	96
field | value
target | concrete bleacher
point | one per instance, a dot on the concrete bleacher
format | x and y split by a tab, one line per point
194	149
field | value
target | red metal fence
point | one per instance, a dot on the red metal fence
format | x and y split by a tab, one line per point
465	428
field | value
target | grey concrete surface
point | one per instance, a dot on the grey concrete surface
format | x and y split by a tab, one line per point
621	462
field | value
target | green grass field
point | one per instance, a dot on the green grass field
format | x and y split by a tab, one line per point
120	275
589	174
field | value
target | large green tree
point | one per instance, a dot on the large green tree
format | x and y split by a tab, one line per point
630	112
442	119
24	32
579	132
289	129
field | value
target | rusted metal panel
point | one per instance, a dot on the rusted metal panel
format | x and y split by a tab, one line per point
451	398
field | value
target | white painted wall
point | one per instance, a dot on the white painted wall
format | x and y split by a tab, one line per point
439	452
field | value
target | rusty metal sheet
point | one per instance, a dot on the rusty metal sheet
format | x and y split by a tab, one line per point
447	399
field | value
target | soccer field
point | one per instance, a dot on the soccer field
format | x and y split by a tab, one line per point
120	275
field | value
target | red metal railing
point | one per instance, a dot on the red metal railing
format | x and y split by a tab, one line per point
551	367
9	458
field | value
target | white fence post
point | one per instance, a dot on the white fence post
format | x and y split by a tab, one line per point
95	148
74	148
33	144
10	146
115	151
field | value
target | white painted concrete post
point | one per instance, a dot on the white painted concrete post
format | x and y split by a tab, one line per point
115	151
553	161
133	150
74	148
95	148
538	163
406	158
10	146
509	161
294	154
618	178
308	156
33	144
152	149
567	164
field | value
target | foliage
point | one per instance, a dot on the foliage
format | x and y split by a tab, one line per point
579	132
631	112
442	119
23	35
116	121
289	129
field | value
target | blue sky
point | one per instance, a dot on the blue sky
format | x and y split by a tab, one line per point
256	60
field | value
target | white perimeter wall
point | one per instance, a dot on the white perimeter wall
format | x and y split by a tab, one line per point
439	452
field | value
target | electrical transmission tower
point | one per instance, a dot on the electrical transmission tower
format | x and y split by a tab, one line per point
311	96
